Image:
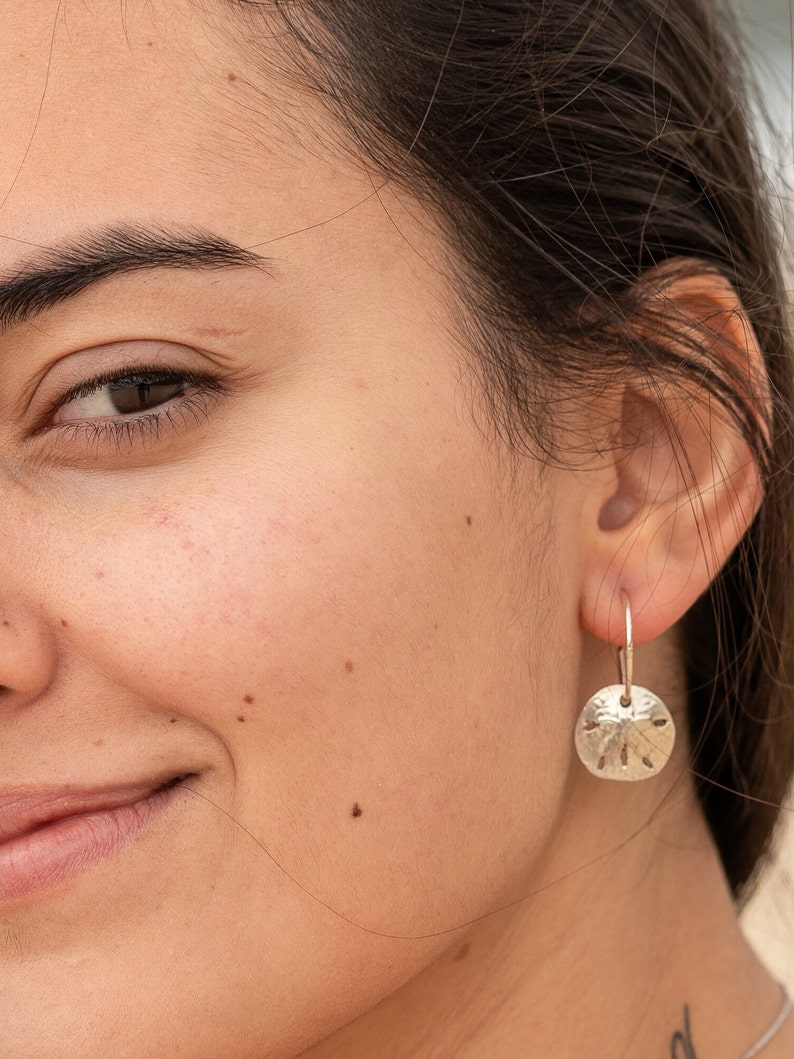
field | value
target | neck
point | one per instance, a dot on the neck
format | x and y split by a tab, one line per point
628	945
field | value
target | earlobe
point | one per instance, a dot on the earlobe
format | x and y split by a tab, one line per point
684	484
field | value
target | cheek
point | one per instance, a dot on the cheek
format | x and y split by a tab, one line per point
380	713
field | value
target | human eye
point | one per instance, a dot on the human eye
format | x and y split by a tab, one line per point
130	405
130	394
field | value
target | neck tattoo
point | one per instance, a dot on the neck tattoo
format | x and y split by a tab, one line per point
682	1046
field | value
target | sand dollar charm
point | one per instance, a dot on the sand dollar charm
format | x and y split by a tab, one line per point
617	742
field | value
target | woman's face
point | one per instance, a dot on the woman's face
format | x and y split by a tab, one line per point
256	539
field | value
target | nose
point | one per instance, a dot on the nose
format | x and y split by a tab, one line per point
28	654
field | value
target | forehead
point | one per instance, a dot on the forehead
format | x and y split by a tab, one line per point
118	111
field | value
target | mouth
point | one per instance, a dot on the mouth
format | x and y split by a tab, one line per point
47	837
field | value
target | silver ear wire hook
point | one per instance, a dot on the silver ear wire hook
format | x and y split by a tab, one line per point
626	654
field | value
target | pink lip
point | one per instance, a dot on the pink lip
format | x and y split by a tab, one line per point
46	837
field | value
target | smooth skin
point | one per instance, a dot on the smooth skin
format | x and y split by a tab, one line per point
320	589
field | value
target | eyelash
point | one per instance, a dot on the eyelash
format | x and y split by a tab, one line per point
125	431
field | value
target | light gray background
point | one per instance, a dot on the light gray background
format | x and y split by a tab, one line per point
769	26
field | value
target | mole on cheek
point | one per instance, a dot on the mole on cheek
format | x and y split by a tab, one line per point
248	698
357	810
468	520
64	623
241	719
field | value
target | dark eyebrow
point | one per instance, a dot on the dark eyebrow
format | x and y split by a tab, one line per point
57	273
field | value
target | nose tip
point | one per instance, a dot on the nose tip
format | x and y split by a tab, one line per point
27	655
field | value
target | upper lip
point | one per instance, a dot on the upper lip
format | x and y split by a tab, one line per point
26	810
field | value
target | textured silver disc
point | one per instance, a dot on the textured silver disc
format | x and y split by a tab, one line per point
617	742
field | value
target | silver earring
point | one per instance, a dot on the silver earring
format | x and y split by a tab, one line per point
625	732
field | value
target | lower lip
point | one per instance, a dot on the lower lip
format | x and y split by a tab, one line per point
43	859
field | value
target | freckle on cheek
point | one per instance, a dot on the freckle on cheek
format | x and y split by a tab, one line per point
99	575
64	623
248	698
349	667
99	742
241	719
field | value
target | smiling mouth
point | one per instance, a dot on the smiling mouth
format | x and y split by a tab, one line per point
47	838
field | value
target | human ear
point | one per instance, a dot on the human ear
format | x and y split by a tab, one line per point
680	483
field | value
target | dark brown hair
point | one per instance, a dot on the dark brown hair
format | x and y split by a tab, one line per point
569	148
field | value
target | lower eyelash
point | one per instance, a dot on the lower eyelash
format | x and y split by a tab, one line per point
124	434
